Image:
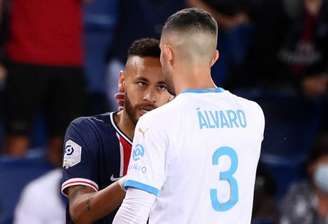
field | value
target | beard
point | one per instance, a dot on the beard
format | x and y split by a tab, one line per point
134	112
130	111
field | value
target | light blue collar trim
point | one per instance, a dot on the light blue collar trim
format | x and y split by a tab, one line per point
210	90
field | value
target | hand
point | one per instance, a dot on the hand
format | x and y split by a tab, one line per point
314	86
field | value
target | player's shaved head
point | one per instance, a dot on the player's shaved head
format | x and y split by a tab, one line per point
193	33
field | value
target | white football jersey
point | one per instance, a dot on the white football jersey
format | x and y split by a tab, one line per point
198	154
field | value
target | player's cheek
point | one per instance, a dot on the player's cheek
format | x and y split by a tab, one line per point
135	94
162	99
166	96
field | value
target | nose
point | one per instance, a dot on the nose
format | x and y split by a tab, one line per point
150	95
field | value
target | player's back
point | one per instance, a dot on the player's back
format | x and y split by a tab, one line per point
214	141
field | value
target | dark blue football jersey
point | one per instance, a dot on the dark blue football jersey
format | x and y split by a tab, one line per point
96	154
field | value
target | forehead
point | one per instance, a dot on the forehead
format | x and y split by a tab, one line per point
143	66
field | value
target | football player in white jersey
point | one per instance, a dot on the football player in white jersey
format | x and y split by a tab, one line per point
194	159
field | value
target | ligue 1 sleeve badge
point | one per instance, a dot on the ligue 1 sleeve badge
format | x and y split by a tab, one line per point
72	154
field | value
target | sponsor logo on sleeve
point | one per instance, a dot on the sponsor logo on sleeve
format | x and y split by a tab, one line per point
72	154
138	152
138	168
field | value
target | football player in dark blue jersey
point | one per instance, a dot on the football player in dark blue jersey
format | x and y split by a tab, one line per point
97	148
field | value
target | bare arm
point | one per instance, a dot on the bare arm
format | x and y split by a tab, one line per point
87	206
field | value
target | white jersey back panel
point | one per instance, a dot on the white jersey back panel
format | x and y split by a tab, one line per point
199	155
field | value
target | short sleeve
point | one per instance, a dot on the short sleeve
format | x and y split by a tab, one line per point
80	155
147	165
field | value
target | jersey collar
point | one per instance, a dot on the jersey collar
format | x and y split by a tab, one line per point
209	90
121	133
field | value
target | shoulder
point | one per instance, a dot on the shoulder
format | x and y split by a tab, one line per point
91	121
80	125
159	116
89	126
84	135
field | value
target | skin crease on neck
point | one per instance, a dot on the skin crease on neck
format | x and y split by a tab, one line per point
145	88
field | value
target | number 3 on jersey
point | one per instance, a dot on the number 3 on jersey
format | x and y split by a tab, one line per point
225	176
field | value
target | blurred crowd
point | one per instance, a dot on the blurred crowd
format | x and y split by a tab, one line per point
62	59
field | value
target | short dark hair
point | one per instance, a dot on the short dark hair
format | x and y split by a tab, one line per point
145	47
191	18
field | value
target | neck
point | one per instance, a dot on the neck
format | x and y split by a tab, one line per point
322	204
125	124
313	6
195	77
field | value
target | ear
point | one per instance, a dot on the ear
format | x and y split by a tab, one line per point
215	58
168	54
121	81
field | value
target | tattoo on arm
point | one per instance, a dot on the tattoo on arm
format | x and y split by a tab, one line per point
81	190
88	208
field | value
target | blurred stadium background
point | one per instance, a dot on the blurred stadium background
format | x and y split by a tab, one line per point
272	51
